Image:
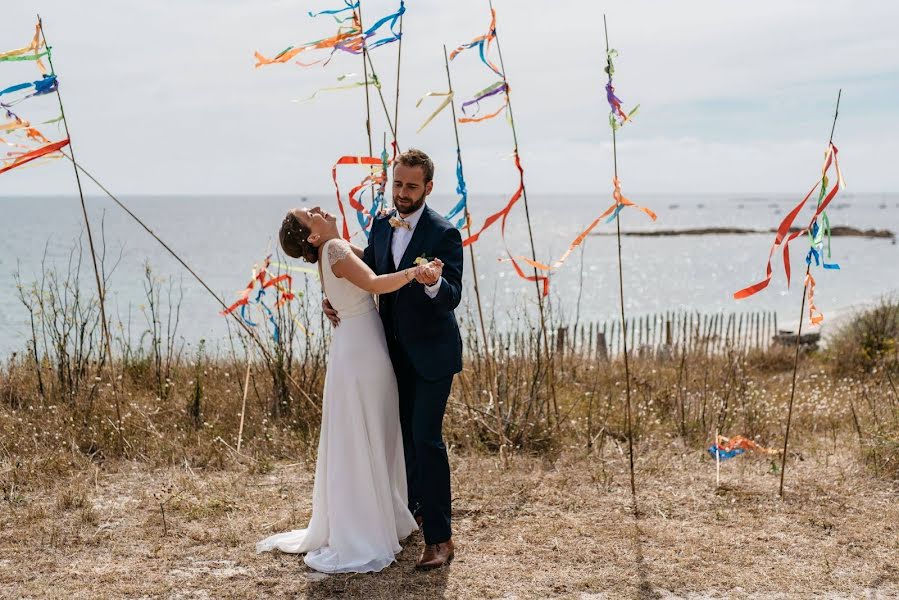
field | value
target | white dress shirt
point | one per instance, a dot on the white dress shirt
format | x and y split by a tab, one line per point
401	238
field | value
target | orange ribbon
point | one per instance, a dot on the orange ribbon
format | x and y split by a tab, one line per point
34	47
346	37
491	115
814	315
738	441
620	200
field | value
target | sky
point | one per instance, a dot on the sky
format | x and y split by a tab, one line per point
163	97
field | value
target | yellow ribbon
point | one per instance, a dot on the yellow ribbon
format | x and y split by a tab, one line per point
448	97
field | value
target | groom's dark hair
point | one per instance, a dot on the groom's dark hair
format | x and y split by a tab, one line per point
294	238
416	158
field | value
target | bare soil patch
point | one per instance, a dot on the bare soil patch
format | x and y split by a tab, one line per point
531	528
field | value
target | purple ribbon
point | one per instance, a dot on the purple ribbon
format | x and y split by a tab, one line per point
614	101
501	87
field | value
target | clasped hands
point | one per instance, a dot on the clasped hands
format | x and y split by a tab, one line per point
429	273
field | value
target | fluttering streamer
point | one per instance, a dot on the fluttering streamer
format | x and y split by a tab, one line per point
612	212
725	448
261	281
23	136
817	235
349	38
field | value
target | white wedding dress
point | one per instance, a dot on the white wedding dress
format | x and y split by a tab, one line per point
359	502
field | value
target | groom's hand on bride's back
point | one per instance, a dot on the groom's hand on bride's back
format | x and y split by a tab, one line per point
330	313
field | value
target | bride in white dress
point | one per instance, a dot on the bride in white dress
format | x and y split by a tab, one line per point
359	500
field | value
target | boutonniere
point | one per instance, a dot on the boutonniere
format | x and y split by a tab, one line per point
423	259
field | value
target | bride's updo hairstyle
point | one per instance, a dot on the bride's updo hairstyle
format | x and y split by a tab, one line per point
294	237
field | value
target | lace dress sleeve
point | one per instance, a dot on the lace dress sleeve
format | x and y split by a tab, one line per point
338	250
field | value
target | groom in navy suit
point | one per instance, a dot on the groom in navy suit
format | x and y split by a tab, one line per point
423	339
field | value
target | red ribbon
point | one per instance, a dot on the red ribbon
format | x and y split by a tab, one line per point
354	160
503	214
35	154
286	295
784	236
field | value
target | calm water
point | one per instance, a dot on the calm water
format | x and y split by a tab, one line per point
222	237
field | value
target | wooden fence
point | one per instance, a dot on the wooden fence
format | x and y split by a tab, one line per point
650	334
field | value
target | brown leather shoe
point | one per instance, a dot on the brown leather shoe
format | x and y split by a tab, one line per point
436	555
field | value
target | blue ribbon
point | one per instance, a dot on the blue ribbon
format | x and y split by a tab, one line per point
245	315
44	86
16	88
349	6
393	18
462	191
482	51
814	253
613	216
717	452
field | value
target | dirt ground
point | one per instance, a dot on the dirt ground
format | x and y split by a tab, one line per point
527	529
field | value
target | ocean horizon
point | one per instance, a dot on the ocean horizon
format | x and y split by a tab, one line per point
222	236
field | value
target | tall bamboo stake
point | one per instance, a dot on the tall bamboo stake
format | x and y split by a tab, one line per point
627	372
527	214
390	122
783	458
474	269
243	406
365	75
107	347
396	106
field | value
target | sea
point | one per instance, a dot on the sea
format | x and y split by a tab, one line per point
222	237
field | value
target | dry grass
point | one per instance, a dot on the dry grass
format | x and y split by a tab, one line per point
142	493
528	529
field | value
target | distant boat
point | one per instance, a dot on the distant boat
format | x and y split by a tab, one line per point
676	206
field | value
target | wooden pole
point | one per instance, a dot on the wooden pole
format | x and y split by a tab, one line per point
365	62
396	106
243	407
627	372
107	346
783	458
527	214
491	367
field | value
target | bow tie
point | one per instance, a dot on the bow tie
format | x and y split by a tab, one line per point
394	222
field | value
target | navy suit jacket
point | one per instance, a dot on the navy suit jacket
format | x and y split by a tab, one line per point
425	328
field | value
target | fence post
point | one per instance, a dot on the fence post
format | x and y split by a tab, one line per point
601	348
560	340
